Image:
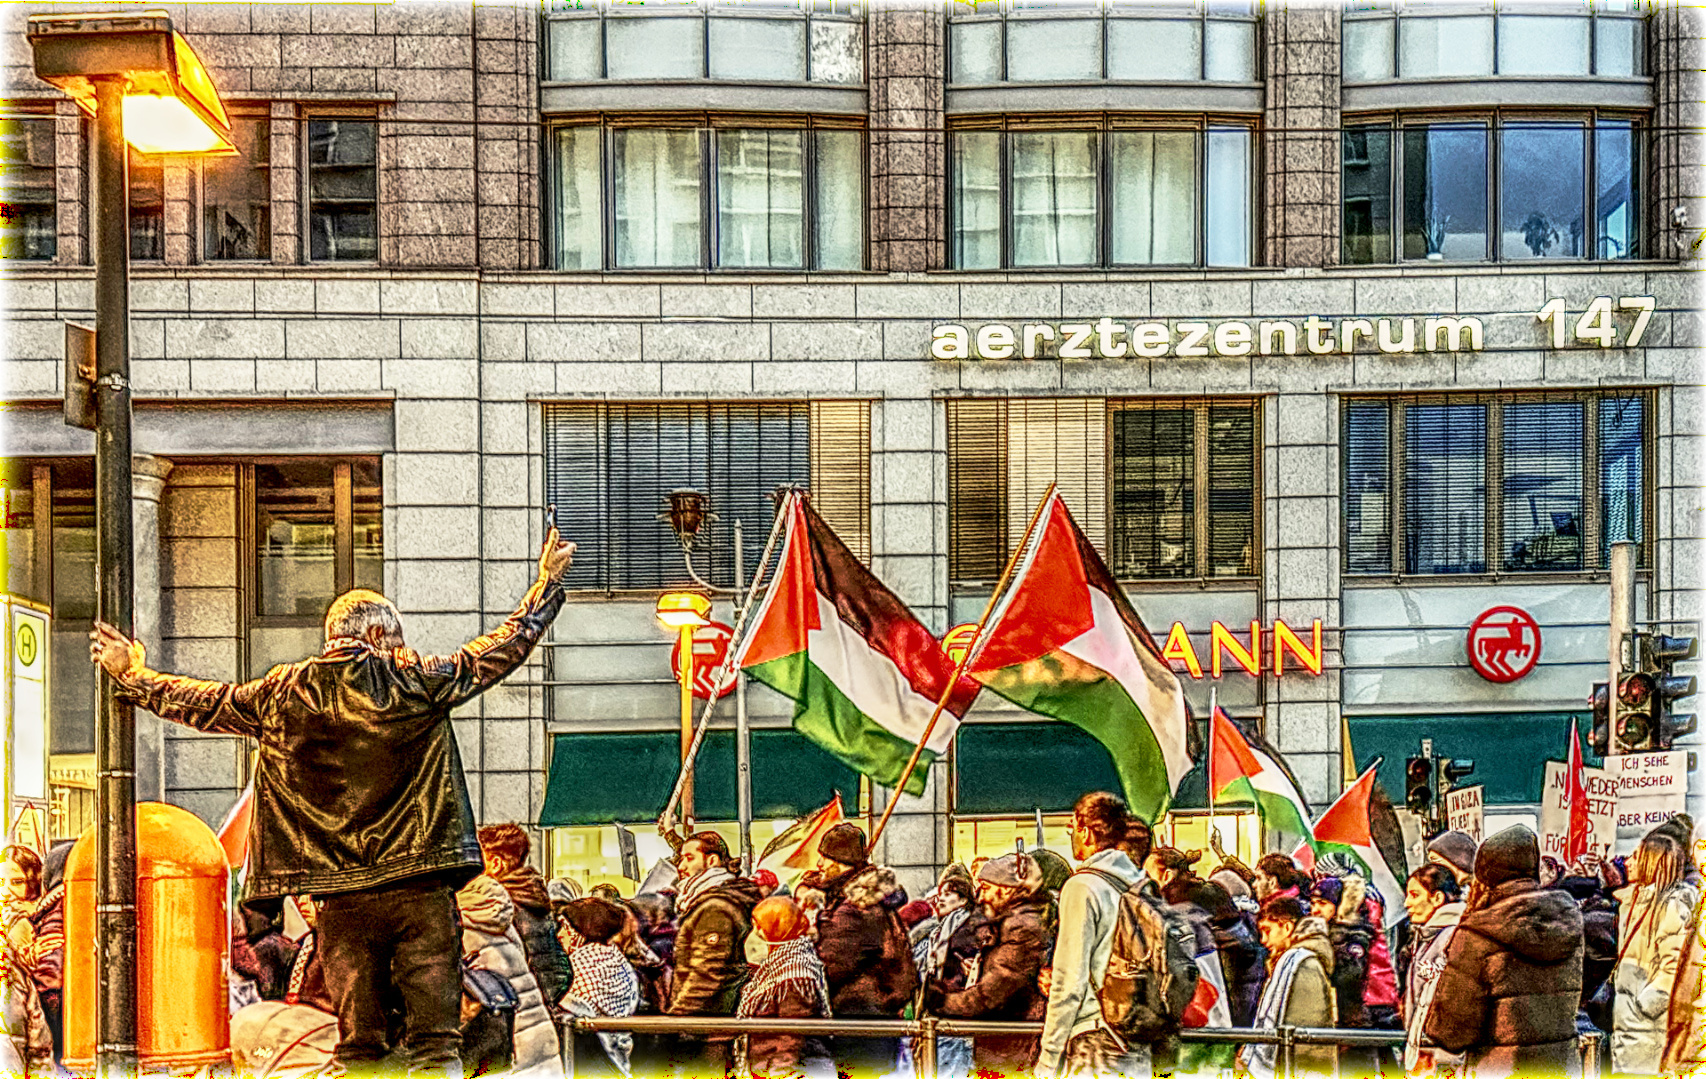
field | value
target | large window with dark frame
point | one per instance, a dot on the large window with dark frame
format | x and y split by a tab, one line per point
30	227
1404	39
710	195
1494	483
343	189
610	466
1028	192
1133	41
1167	488
1507	187
236	195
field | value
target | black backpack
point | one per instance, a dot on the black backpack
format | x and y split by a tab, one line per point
1152	969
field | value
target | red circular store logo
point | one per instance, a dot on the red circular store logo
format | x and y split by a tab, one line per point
1503	644
710	648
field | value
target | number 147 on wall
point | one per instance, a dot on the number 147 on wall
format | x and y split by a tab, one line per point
1595	325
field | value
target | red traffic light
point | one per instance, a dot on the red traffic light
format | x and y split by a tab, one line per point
1635	690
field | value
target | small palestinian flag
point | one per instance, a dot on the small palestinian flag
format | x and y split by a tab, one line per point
863	672
1363	825
1241	772
796	847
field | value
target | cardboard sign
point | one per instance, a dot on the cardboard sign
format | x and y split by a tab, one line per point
1464	811
1555	811
628	852
1651	788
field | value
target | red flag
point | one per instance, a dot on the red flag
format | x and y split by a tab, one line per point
796	848
1581	828
234	833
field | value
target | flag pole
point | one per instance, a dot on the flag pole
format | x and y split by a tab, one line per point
959	668
1208	767
722	674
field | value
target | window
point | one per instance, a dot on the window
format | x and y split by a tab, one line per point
1137	41
1165	488
735	40
1512	483
1117	196
779	198
236	195
610	468
1435	41
343	190
1503	189
30	227
316	533
147	207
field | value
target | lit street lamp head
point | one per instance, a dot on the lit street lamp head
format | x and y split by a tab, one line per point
170	104
679	609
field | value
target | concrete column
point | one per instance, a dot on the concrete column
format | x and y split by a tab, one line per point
1301	162
148	479
1678	181
908	156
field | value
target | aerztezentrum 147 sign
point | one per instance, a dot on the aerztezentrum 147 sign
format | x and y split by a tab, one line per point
1109	339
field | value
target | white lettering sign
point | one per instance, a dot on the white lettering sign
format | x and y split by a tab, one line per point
1651	788
1464	811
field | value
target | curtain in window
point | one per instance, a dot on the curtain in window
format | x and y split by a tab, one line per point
840	174
1154	197
658	212
1445	488
1054	198
1541	206
1228	217
580	227
760	199
1543	525
1622	467
977	199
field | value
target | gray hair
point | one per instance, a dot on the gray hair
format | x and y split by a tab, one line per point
354	612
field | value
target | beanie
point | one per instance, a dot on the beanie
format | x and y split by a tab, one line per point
1055	869
1013	871
778	919
1328	889
844	843
764	878
915	912
1457	848
1513	854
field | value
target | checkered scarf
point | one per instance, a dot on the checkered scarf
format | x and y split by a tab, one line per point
791	961
604	981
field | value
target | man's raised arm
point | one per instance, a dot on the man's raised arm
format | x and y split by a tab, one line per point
214	707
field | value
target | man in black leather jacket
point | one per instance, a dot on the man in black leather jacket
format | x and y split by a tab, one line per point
360	801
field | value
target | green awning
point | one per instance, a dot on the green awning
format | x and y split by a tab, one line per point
1014	769
1510	750
604	778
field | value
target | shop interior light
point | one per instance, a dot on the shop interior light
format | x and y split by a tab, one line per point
678	609
170	103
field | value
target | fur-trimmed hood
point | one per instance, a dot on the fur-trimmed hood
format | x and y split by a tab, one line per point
1352	898
866	887
1541	925
1311	934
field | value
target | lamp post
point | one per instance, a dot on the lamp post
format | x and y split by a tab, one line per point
685	612
142	84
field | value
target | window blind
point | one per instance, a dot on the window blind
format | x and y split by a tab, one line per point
1368	494
1445	488
1542	444
1155	490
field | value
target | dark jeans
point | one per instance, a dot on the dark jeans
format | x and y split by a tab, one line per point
397	943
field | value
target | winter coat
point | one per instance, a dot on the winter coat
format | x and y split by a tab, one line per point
538	930
1428	946
47	950
359	781
1652	930
1089	909
1014	946
24	1023
490	942
1685	1044
710	949
1312	1001
1243	963
282	1040
863	945
1512	980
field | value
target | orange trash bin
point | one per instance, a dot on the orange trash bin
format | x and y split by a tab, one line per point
183	944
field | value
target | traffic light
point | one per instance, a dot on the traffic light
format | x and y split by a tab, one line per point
1660	655
1419	786
1450	771
1599	737
1632	712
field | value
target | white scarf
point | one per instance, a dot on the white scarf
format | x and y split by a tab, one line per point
1260	1059
698	886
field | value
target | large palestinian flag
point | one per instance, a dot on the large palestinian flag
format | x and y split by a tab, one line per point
1064	642
1241	772
1363	825
864	673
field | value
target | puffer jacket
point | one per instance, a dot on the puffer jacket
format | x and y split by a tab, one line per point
1013	949
47	951
862	943
1685	1044
538	930
1312	1001
490	942
359	781
1242	964
1652	930
710	949
1512	980
28	1044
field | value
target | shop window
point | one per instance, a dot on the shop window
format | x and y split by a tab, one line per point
795	41
147	207
1119	197
1436	41
236	196
731	198
1560	189
314	532
610	468
1166	488
29	229
1135	41
1481	483
343	190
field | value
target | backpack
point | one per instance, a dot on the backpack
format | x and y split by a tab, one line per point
1152	968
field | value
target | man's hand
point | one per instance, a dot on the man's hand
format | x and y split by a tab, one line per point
555	556
1214	844
115	653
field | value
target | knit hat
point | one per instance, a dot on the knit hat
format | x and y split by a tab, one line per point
1328	889
1513	854
1055	869
562	890
844	843
764	878
1457	848
915	912
1232	882
779	919
1013	871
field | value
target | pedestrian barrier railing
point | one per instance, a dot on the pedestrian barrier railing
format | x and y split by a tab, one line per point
927	1030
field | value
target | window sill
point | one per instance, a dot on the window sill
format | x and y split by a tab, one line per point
703	95
1509	91
1102	96
1447	580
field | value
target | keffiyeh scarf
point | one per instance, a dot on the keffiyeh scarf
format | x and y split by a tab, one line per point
604	980
791	961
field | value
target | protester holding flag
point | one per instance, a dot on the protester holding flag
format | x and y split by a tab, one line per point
1652	930
1243	963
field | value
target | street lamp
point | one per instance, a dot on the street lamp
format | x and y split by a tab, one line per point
142	84
684	612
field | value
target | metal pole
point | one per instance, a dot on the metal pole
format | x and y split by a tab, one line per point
115	719
1622	610
743	732
927	1047
685	647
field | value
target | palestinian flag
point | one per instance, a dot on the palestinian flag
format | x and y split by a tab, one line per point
1064	642
863	672
1363	825
796	847
1240	772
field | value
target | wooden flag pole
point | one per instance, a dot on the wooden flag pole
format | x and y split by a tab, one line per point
1208	767
959	668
